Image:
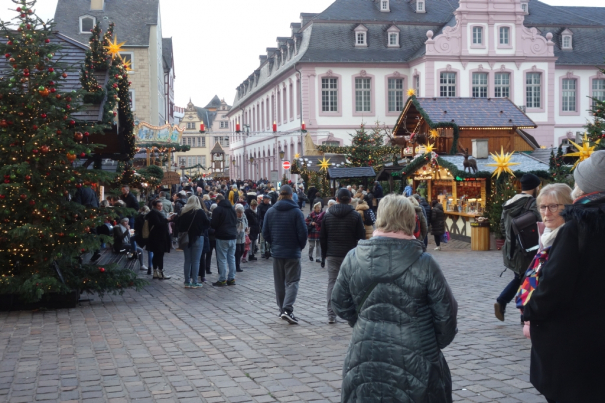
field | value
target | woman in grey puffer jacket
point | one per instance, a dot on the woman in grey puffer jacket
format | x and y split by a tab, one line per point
402	311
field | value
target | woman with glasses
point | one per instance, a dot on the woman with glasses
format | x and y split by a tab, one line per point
551	202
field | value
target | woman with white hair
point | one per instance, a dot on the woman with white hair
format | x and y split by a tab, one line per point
242	230
194	222
402	311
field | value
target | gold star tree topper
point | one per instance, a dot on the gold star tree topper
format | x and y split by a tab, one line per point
324	164
503	163
297	156
429	148
411	92
433	134
584	152
114	47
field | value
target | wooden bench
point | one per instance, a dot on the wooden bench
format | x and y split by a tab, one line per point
108	256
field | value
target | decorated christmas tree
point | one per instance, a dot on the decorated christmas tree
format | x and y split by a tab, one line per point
43	234
502	190
596	130
557	168
367	147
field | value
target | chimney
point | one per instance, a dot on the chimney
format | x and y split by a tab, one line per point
295	27
97	4
480	149
305	18
262	58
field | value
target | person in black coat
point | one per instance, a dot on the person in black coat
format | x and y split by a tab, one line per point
341	229
378	193
130	200
194	221
311	196
224	223
159	239
566	309
254	225
437	223
86	197
139	221
265	247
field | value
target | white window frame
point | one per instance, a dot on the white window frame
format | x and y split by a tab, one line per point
393	43
363	94
131	54
500	87
598	89
480	84
525	8
504	35
416	79
385	6
447	87
420	7
94	22
361	36
395	94
533	91
569	45
133	105
569	95
329	94
477	33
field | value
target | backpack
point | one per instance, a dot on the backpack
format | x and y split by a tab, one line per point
417	232
367	218
525	230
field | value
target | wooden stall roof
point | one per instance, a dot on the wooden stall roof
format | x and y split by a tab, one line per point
351	172
466	113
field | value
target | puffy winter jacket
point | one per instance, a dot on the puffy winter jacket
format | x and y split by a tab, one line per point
253	222
224	221
341	229
424	228
399	327
513	258
437	220
285	229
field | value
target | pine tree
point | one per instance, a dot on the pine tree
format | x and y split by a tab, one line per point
42	233
502	190
557	168
596	130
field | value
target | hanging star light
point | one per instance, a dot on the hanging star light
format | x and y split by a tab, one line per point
127	64
433	134
114	47
411	92
429	148
584	152
297	155
503	163
324	164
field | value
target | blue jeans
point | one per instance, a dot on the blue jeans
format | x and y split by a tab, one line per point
509	291
225	254
193	253
149	259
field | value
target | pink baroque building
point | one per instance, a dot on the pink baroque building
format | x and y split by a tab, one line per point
355	61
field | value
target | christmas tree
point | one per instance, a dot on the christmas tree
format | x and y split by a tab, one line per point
557	168
596	129
502	190
43	234
367	148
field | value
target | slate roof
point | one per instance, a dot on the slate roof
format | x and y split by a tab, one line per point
584	41
132	19
526	163
167	55
206	116
72	54
351	172
475	112
214	103
217	149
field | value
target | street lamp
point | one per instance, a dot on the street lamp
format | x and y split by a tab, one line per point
281	154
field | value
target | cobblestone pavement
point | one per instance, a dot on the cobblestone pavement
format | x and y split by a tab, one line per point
171	344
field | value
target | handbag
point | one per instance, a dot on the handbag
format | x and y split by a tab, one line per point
184	236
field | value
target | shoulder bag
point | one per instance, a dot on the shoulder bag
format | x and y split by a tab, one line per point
184	236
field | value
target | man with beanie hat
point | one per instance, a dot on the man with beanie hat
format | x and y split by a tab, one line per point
285	229
514	257
341	228
567	325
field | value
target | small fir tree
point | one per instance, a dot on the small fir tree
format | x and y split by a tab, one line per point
596	129
558	170
42	233
502	190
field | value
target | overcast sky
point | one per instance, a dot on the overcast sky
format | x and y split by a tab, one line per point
217	42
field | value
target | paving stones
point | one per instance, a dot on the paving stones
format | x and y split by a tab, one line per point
170	344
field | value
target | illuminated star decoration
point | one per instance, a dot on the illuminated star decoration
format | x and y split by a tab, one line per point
503	163
584	151
433	134
429	148
411	92
127	64
297	155
324	164
114	47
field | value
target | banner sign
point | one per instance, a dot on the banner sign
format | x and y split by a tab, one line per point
146	133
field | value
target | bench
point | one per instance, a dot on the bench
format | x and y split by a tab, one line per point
108	256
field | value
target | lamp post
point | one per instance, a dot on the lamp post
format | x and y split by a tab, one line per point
281	154
252	163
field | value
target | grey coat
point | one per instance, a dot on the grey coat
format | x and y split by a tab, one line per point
402	324
513	258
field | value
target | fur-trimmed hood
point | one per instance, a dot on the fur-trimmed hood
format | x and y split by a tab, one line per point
589	212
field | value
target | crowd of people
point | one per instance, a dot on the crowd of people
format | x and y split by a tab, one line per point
382	281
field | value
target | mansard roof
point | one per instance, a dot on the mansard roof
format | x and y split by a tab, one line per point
214	102
167	55
132	19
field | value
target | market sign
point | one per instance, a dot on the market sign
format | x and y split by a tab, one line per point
146	133
423	177
459	179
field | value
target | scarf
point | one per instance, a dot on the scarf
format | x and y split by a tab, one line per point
548	237
395	235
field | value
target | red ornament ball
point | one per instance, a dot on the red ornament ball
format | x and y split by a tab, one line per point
102	269
64	75
86	134
72	122
28	178
50	69
47	40
23	196
32	203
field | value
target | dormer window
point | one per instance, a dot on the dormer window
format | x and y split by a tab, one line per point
87	23
566	40
393	37
384	6
361	36
420	7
